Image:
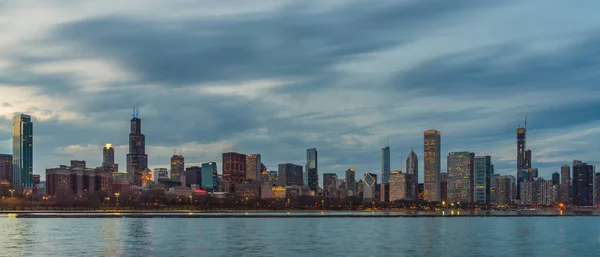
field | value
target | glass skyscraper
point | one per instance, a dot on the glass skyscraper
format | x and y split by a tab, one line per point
460	177
432	145
209	176
481	178
22	151
385	164
312	175
137	160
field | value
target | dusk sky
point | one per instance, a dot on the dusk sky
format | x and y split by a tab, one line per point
278	77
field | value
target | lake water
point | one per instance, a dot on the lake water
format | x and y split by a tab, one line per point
459	236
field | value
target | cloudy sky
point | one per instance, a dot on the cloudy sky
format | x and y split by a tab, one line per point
278	77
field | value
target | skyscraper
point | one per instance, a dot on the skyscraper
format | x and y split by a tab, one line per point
177	167
137	160
330	185
369	187
412	175
460	177
6	168
312	170
22	151
234	167
385	164
565	184
351	181
505	190
108	159
209	176
521	159
583	184
555	178
444	186
397	185
481	178
290	175
432	149
160	173
253	168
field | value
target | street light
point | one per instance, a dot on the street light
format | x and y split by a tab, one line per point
12	192
117	195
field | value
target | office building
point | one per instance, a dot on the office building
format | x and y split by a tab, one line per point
444	186
22	152
596	189
521	159
330	185
505	195
160	173
6	168
481	179
460	177
565	184
193	177
146	178
312	170
76	180
234	167
289	175
385	164
493	188
273	177
137	160
253	168
555	178
351	182
432	147
369	187
209	176
412	175
583	184
177	167
397	184
548	192
108	159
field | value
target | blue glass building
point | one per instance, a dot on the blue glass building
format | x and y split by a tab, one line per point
209	176
22	151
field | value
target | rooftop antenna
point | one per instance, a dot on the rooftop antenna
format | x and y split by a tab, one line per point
136	110
388	141
525	122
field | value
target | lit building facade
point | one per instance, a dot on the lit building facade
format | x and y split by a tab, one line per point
177	167
253	168
108	159
6	168
505	192
137	160
234	167
22	151
481	179
330	187
460	177
412	175
312	172
397	184
351	182
583	184
432	162
565	184
385	164
160	173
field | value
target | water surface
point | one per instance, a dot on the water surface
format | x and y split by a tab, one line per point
461	236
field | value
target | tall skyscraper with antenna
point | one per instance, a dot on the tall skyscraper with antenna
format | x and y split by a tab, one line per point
522	158
137	160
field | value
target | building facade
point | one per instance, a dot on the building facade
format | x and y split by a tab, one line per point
351	182
160	173
385	164
6	168
253	168
565	184
137	160
234	167
412	175
312	173
369	187
177	167
432	169
108	159
583	184
481	179
22	129
290	175
460	177
397	184
209	176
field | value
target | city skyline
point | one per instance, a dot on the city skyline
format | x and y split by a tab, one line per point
356	92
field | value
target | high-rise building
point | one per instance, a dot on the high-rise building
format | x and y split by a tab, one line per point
369	187
481	178
6	168
505	195
330	185
108	158
460	177
583	184
565	184
234	167
266	189
209	176
22	151
444	186
137	160
493	182
385	164
289	175
597	189
160	173
547	193
521	159
432	147
351	181
397	185
253	168
555	178
312	173
146	177
412	175
193	176
177	167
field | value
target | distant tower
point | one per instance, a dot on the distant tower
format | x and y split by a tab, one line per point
22	151
177	167
522	161
412	172
137	160
385	164
432	161
312	170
